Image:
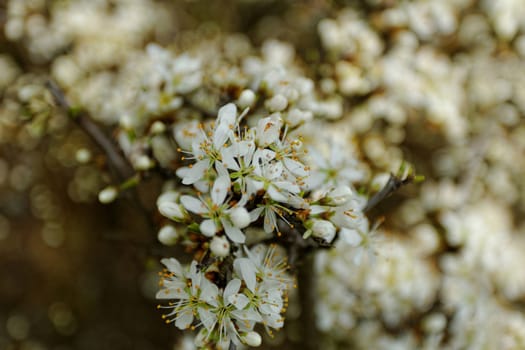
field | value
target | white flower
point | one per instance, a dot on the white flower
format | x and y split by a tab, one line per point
224	311
297	117
192	290
207	150
339	195
335	168
264	276
216	211
363	239
268	130
268	263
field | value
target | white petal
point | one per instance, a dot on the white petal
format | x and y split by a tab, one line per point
295	167
277	195
193	204
287	185
231	288
184	319
250	314
196	172
221	169
227	114
220	189
220	136
228	158
270	221
208	318
255	213
239	300
233	233
175	291
350	236
248	272
209	292
173	265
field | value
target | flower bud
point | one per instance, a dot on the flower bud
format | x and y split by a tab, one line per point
268	129
240	217
107	195
220	246
323	229
208	228
142	162
252	339
168	235
277	103
246	99
340	195
157	127
171	210
83	155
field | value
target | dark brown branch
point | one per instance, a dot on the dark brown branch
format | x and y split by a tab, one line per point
307	296
118	164
116	161
394	183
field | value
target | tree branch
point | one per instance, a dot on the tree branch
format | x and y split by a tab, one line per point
117	162
394	183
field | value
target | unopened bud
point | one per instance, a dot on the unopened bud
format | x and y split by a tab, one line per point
171	210
246	99
220	246
340	195
323	229
107	195
168	235
277	103
252	339
240	217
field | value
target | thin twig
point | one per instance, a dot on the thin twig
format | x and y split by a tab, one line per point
118	163
394	183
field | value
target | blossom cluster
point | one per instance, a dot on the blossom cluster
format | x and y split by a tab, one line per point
237	177
265	148
255	293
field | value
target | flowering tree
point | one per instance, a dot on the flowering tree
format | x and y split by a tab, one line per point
264	168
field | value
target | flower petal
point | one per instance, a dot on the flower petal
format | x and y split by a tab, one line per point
174	266
350	236
208	318
231	288
193	204
184	319
248	272
239	300
220	189
233	233
196	172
